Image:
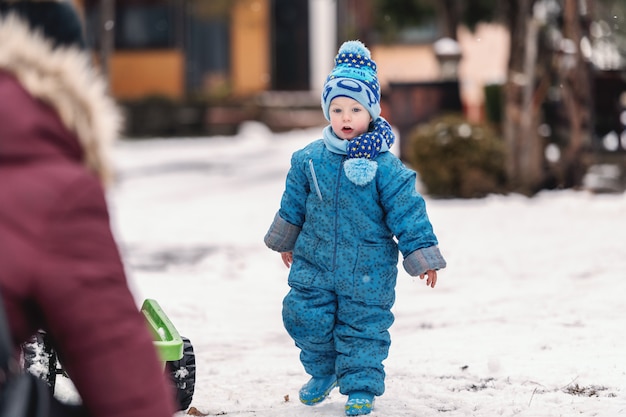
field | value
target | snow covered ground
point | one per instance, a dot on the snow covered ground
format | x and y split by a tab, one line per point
527	320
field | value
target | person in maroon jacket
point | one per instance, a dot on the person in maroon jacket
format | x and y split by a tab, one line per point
60	269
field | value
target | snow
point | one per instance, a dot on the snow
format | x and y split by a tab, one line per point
39	360
527	320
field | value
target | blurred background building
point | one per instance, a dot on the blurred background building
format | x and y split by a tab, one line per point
238	50
549	75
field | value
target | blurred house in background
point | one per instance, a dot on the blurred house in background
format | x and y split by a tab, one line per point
267	58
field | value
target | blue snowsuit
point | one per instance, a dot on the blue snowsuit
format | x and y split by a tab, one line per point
338	310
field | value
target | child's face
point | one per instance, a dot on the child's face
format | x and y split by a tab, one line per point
348	118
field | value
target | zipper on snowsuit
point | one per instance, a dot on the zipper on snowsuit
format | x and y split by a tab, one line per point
336	209
317	187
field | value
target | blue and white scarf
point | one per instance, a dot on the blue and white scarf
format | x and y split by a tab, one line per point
360	167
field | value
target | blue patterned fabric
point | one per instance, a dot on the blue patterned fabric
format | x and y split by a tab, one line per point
345	257
370	144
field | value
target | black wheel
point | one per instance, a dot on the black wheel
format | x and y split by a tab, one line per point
40	359
183	375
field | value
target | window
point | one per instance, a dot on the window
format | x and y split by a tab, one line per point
138	25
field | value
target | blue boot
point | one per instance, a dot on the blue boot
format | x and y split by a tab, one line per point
317	389
359	403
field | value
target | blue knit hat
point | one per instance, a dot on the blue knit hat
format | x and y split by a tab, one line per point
354	76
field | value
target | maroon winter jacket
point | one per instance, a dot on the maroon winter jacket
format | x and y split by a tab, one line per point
60	269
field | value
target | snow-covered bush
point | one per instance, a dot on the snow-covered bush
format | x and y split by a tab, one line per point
455	158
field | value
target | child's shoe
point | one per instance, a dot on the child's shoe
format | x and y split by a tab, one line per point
359	403
317	389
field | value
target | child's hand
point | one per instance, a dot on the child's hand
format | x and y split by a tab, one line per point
288	259
431	281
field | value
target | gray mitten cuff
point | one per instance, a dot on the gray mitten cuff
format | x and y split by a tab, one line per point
421	260
282	235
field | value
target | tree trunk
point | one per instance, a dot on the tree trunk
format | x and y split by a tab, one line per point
575	75
449	12
524	146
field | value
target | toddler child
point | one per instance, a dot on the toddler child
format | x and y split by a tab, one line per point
348	208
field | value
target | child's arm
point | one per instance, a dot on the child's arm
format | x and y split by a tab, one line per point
285	228
408	220
281	235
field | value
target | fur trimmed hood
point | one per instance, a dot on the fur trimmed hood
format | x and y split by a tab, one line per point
65	79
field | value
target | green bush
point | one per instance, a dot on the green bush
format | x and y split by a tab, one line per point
455	158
